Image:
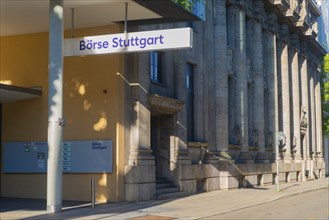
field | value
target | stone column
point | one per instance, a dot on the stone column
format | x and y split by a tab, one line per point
270	55
312	130
241	89
231	10
257	68
285	97
304	117
318	116
296	142
221	80
312	112
250	42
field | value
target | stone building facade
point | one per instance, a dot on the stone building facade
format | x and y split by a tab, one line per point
208	118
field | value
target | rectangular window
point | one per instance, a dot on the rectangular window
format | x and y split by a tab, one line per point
190	101
156	66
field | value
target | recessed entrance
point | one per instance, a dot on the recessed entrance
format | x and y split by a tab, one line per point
161	132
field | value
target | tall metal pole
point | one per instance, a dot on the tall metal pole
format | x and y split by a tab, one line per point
279	140
126	16
55	107
277	180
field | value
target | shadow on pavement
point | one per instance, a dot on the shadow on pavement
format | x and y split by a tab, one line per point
15	204
72	209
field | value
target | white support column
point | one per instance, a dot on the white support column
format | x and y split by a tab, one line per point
55	107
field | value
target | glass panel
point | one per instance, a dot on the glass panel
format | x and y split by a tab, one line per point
155	66
190	101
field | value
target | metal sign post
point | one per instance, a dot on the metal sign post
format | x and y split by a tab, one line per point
55	107
280	138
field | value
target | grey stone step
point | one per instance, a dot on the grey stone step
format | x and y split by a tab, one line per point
174	195
164	185
162	180
167	190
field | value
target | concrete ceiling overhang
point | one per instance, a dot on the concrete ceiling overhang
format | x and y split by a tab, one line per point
32	16
10	93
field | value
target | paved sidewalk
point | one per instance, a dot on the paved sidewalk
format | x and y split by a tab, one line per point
197	206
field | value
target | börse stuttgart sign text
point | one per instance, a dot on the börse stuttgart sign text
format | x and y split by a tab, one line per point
129	42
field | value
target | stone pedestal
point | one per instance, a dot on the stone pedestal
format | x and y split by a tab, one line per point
139	182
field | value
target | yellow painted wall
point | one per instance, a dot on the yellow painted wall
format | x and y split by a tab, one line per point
93	110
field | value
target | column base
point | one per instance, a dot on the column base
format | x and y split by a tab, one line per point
54	208
244	157
298	158
287	159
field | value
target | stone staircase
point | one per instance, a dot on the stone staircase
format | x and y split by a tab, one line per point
166	189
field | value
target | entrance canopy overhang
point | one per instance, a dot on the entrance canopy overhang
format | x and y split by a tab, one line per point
32	16
10	93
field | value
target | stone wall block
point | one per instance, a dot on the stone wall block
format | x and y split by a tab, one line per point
212	184
139	192
211	170
187	172
229	182
293	176
139	174
250	181
268	178
189	186
199	171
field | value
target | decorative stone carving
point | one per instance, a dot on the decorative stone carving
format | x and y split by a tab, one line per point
303	116
237	136
255	137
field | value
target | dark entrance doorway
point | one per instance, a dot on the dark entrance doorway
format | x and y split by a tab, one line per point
161	134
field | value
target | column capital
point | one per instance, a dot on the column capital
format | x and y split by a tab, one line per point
259	10
294	41
303	49
272	22
250	23
284	33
